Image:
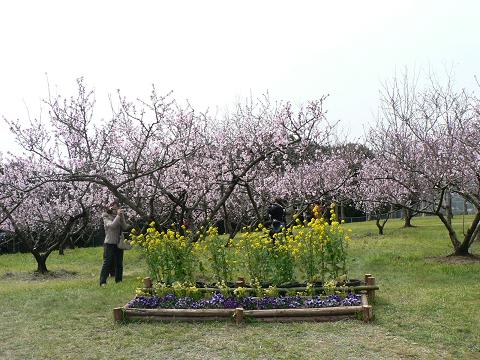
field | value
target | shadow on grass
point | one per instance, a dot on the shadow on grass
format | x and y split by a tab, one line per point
453	259
36	276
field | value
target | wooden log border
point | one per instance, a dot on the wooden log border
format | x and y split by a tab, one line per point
239	315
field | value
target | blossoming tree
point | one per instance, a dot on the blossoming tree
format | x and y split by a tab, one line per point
426	143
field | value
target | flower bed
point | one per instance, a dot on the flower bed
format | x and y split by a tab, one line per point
284	309
219	301
294	275
266	308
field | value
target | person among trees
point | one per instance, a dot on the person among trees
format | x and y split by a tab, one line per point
114	223
276	213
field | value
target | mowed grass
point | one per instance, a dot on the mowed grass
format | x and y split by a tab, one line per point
426	309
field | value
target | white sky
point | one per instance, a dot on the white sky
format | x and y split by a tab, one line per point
215	53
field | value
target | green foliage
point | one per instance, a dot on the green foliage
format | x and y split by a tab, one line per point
162	289
216	249
240	292
177	288
310	290
322	248
329	287
253	253
224	289
257	287
271	291
283	257
169	254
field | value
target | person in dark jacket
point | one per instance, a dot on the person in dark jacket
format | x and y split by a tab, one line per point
276	213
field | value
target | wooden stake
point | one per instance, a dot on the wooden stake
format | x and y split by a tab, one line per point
118	314
147	282
238	315
364	298
366	277
240	282
371	292
367	313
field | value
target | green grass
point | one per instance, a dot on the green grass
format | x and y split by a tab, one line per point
425	308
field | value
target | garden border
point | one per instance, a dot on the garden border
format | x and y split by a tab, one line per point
364	311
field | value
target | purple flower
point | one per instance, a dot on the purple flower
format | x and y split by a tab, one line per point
230	303
144	302
218	301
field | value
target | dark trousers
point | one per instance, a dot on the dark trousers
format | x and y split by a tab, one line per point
112	256
111	269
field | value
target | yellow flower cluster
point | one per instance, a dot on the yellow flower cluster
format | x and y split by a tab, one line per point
316	248
154	239
286	242
322	246
168	253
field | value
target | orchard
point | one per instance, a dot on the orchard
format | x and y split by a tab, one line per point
197	190
175	166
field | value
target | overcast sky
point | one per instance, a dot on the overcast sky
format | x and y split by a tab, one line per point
214	53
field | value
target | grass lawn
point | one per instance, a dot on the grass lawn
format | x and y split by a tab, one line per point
426	309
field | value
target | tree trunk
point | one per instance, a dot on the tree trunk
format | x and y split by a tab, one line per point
408	215
254	204
448	206
71	244
380	226
41	262
451	232
226	220
462	248
381	223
